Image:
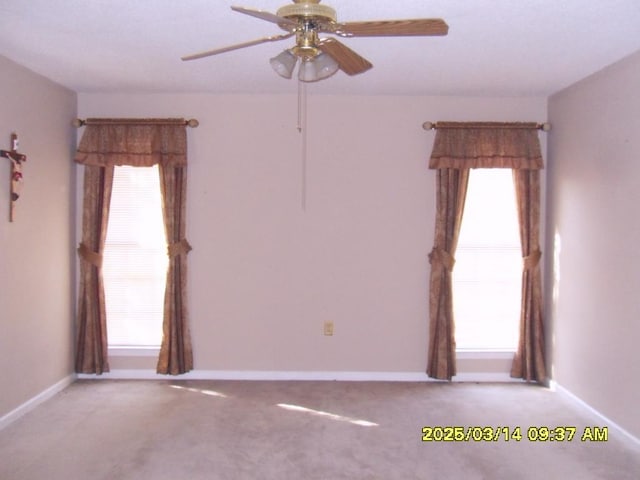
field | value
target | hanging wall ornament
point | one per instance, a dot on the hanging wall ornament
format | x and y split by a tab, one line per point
16	172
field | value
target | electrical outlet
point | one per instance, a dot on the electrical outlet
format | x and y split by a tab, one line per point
328	328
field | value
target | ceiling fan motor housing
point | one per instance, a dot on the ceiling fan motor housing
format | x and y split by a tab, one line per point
308	9
311	18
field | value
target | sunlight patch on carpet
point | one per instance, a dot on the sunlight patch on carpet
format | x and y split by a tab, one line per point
210	393
332	416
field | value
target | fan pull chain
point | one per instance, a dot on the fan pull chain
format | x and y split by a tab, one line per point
301	91
302	128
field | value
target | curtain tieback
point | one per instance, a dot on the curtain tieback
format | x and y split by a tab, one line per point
90	256
178	248
443	258
530	262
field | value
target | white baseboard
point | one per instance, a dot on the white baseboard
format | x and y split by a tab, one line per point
296	375
611	424
32	403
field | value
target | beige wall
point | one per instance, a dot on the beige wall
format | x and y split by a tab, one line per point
594	201
264	273
36	303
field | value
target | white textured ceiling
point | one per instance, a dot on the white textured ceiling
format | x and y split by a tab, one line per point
494	47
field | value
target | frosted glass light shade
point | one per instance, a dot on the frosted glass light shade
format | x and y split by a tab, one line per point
307	71
284	63
325	66
317	68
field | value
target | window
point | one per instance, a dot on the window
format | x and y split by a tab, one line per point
135	259
488	272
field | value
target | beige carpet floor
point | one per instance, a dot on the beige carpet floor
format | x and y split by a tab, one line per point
188	430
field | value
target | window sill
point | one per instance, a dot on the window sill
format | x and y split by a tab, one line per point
478	354
115	351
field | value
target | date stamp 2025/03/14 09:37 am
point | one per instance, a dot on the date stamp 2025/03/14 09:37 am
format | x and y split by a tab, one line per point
517	434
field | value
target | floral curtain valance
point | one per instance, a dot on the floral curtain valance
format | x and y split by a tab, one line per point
143	143
486	145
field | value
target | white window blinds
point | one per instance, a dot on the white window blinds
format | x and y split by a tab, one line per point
135	259
487	276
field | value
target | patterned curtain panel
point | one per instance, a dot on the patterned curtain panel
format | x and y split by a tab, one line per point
459	147
136	142
528	363
176	355
91	342
451	192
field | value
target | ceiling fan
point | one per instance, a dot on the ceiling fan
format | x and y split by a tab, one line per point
322	57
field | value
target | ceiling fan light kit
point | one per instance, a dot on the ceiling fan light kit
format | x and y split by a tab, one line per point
311	69
319	57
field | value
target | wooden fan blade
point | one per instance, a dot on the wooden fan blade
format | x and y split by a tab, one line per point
394	28
269	17
349	61
209	53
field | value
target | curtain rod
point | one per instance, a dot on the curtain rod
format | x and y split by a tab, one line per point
545	127
78	122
